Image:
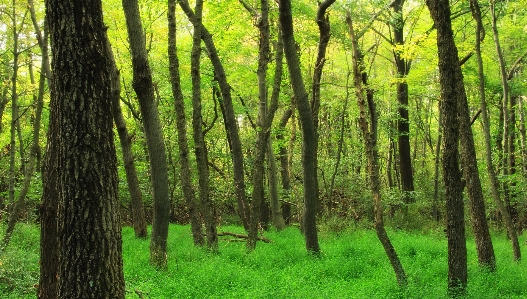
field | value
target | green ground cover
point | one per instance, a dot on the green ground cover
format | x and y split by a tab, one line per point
352	265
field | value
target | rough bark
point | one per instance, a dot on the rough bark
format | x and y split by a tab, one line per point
181	125
368	120
82	153
231	124
308	129
144	88
449	77
200	148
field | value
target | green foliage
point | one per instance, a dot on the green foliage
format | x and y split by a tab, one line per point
353	265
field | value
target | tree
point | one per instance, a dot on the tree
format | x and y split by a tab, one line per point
200	147
368	122
402	66
452	91
82	155
144	89
181	124
308	128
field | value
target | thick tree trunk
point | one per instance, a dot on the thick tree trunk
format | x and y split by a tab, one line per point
308	129
82	156
200	148
369	133
181	124
450	78
143	86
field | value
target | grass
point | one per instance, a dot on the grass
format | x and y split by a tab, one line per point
352	265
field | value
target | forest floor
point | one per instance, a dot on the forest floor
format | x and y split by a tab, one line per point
352	265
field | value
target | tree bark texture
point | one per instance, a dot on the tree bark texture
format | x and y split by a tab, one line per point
284	167
181	124
451	93
368	109
82	156
144	88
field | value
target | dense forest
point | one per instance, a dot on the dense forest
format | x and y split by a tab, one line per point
263	114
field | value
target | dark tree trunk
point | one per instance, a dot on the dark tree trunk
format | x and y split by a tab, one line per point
231	125
308	128
284	168
144	88
82	155
136	197
403	126
181	124
200	148
368	109
324	34
451	95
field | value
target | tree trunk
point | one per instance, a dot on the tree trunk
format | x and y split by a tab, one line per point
308	129
82	155
181	124
200	148
403	124
367	108
136	197
494	184
35	148
324	31
284	167
143	86
231	124
452	91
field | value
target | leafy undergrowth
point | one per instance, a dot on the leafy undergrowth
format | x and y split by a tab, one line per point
352	265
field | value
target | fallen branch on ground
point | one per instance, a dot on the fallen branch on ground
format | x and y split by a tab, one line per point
263	239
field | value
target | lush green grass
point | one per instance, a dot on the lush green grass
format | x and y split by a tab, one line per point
352	265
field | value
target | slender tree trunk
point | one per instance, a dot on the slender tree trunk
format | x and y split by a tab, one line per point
14	110
35	148
200	148
284	167
403	124
452	91
181	124
308	129
494	184
369	133
231	124
82	156
324	31
136	197
144	88
523	135
437	162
